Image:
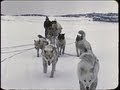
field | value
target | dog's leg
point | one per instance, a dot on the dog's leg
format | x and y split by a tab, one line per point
63	50
50	40
60	50
54	40
38	52
77	51
94	85
53	69
46	33
81	52
56	62
44	66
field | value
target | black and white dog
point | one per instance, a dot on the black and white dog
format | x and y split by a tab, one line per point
60	43
82	45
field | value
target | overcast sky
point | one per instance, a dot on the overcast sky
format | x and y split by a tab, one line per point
57	7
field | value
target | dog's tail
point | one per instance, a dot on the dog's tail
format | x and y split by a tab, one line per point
40	36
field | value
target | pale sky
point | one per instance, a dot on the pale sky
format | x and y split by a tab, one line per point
57	7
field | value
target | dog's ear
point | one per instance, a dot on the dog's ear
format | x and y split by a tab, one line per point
77	38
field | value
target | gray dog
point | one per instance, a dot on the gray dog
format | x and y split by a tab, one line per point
82	45
50	56
60	43
39	44
87	71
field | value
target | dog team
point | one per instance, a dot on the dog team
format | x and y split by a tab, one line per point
87	68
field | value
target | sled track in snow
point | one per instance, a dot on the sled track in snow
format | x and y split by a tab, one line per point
2	49
22	51
13	51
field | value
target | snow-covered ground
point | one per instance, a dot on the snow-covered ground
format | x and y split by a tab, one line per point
22	69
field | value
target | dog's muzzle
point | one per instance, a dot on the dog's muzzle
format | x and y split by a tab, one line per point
87	88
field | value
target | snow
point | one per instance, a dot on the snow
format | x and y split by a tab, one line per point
22	69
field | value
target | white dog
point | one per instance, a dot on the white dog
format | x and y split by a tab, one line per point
82	45
39	44
50	56
87	71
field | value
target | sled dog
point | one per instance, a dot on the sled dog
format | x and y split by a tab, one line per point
60	43
87	71
49	56
82	45
39	44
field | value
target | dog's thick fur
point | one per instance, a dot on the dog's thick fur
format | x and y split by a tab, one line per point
87	70
39	44
50	56
82	45
60	43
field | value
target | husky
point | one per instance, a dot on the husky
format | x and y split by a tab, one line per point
87	71
60	43
49	56
82	45
39	44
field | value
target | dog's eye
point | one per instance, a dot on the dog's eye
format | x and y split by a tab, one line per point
89	80
84	80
